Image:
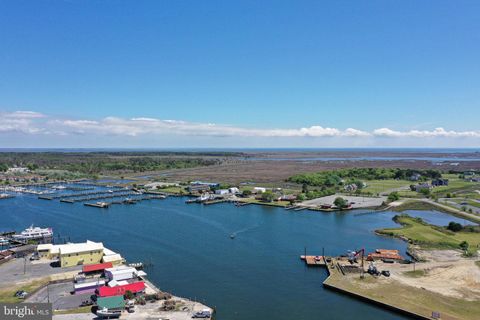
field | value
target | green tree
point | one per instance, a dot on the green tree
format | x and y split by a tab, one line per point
32	166
247	193
425	191
304	188
464	245
268	196
340	203
393	196
454	226
129	295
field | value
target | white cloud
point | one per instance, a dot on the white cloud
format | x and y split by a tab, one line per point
20	121
29	122
437	132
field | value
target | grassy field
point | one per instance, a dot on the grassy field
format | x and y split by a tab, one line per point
176	190
379	186
429	236
86	309
456	185
8	294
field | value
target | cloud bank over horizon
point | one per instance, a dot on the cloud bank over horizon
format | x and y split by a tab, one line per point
139	131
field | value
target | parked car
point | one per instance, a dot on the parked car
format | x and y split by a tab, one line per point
204	314
21	294
34	257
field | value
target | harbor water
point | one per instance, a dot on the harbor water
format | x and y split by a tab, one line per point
255	275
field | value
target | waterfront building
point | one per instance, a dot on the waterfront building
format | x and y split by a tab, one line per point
134	288
121	273
259	190
112	257
72	254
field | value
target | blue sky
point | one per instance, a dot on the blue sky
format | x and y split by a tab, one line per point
109	73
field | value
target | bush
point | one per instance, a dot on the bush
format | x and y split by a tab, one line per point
454	226
340	203
464	245
393	196
129	295
268	196
246	193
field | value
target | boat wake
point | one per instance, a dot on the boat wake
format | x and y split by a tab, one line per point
236	233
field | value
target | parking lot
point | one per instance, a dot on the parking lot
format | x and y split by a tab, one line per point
23	270
59	294
358	202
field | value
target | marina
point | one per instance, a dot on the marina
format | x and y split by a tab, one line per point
237	234
170	235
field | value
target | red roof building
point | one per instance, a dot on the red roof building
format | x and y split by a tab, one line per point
96	267
135	287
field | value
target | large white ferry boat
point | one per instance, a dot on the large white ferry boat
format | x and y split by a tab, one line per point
34	233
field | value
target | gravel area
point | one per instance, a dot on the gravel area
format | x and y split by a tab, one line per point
359	202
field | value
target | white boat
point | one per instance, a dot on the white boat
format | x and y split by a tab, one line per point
60	187
33	233
3	241
108	314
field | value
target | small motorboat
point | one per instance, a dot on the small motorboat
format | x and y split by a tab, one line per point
109	314
232	236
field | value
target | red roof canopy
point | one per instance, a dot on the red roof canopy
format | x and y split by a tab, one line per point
97	267
135	287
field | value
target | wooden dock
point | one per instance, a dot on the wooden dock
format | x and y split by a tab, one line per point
314	261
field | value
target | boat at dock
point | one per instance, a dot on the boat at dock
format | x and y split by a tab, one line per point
136	265
33	233
98	204
129	201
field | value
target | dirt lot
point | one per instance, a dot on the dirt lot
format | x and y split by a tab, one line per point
446	272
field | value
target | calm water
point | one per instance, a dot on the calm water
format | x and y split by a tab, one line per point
258	275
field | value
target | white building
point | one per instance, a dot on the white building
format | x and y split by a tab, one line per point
234	190
259	190
121	273
18	170
111	256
